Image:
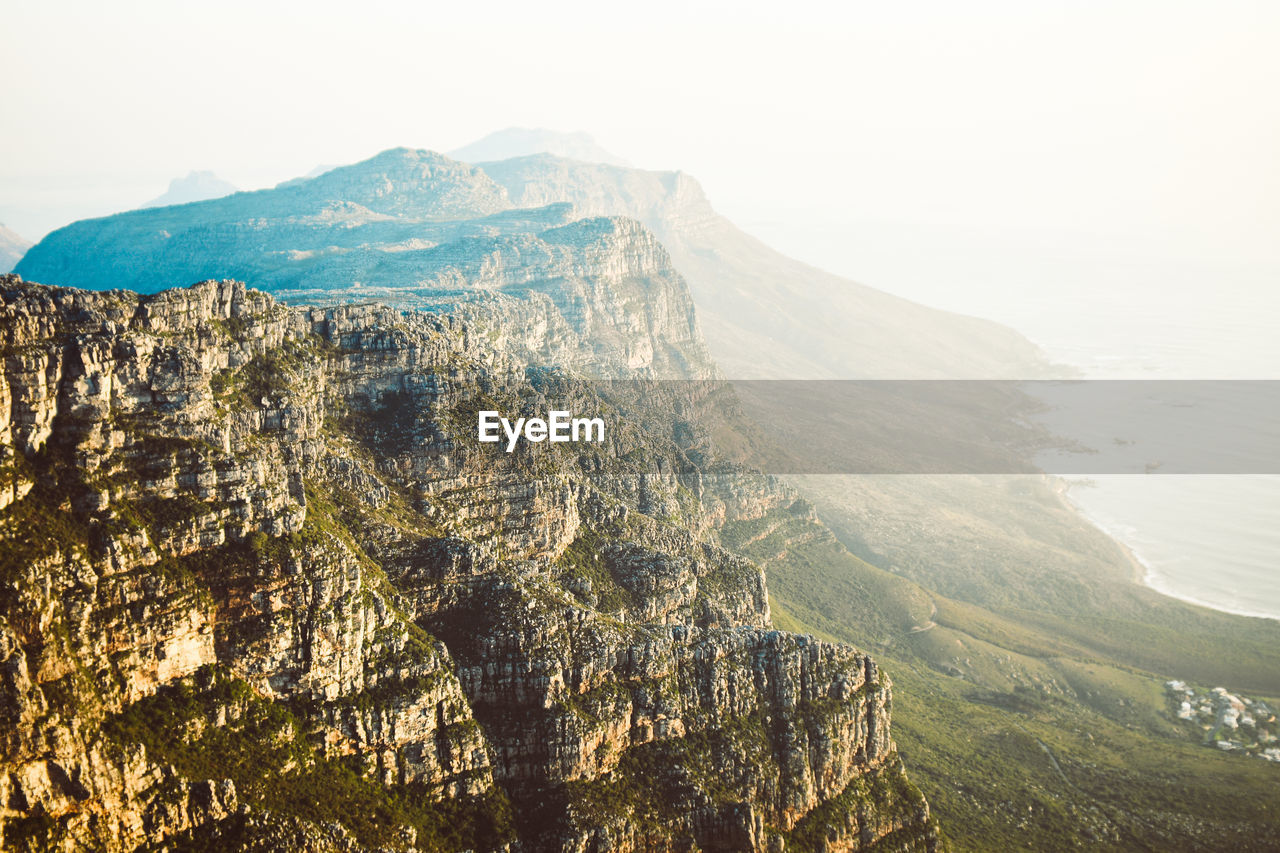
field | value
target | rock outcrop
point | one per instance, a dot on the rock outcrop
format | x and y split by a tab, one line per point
261	589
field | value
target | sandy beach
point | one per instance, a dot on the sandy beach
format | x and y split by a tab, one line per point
1202	540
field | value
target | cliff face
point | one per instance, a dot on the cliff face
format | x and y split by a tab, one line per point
596	296
258	590
767	316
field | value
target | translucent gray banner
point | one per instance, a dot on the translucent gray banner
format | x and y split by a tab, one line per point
916	426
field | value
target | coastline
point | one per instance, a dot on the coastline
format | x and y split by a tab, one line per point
1139	568
1145	571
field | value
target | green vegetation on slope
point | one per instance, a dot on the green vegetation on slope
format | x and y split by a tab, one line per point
214	726
1025	735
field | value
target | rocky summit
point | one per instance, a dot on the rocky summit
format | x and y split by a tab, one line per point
258	590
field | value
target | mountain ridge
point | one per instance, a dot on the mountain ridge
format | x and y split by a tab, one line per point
832	328
519	141
195	186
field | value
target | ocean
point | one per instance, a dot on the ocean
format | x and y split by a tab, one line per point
1112	309
1211	540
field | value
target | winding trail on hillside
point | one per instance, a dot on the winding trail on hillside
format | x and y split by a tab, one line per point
1054	761
928	626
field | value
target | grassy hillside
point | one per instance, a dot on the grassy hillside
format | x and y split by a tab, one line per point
1029	702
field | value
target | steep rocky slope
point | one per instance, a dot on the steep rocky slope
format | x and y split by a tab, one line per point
766	315
598	296
261	589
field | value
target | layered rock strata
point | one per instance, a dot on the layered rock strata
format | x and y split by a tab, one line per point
258	591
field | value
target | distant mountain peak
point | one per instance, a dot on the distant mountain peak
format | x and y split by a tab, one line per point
196	186
12	248
522	141
321	169
412	181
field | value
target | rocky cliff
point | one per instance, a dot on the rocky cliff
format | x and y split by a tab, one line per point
260	589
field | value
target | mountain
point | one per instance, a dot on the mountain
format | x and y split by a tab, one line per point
522	141
1034	712
12	248
262	589
385	221
766	315
196	186
415	229
1029	663
392	199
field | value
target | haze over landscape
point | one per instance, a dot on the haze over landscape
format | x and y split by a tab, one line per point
253	521
1092	177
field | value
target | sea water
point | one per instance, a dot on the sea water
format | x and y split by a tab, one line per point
1114	309
1212	540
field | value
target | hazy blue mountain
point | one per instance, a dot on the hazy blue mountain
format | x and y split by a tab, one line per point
375	227
266	236
521	141
412	229
196	186
12	248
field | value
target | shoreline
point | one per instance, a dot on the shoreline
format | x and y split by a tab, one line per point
1144	571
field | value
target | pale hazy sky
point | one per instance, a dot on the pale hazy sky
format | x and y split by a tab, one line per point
1154	121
